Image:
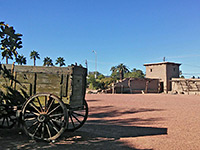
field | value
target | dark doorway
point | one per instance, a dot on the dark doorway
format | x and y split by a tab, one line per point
161	87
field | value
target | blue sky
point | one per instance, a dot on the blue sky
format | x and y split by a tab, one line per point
132	32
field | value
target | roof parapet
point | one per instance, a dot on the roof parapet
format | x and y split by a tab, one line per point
161	63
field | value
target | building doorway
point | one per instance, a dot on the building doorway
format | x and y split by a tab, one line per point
161	87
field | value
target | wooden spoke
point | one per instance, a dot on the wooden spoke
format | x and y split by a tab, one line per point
7	121
10	118
78	114
28	111
53	126
3	121
31	118
33	124
72	121
57	121
35	107
54	109
37	129
42	133
40	104
76	118
56	115
48	130
50	105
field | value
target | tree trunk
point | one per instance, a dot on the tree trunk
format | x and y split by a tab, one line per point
6	59
34	61
121	75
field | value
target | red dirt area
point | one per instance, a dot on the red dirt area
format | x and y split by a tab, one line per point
149	121
126	122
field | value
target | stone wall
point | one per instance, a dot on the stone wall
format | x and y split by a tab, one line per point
185	86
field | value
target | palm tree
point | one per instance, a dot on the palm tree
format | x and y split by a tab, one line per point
121	69
113	69
10	42
21	59
34	55
60	61
47	61
8	54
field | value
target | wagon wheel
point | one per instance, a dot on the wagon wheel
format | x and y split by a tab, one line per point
44	116
77	117
7	117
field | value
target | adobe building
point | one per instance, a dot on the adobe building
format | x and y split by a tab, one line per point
136	85
163	71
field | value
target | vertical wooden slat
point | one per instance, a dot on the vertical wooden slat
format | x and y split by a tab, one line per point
61	86
67	82
34	83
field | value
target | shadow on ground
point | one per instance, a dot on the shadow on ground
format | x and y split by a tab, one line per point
96	134
91	136
100	114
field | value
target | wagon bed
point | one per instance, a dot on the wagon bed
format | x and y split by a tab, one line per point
56	100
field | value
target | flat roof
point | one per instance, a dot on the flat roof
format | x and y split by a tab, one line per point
161	63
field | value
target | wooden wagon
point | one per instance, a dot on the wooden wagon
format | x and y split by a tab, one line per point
55	100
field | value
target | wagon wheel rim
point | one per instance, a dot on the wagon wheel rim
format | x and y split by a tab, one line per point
7	118
77	117
44	116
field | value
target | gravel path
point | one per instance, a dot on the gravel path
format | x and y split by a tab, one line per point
127	122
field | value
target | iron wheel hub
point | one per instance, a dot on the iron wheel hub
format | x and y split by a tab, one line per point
42	118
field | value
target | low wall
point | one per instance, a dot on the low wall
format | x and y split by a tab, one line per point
185	86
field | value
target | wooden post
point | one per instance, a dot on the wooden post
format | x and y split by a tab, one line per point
113	88
146	87
129	85
122	89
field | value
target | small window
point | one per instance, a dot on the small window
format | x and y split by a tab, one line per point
174	69
150	70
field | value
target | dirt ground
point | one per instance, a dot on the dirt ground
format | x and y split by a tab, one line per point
126	122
